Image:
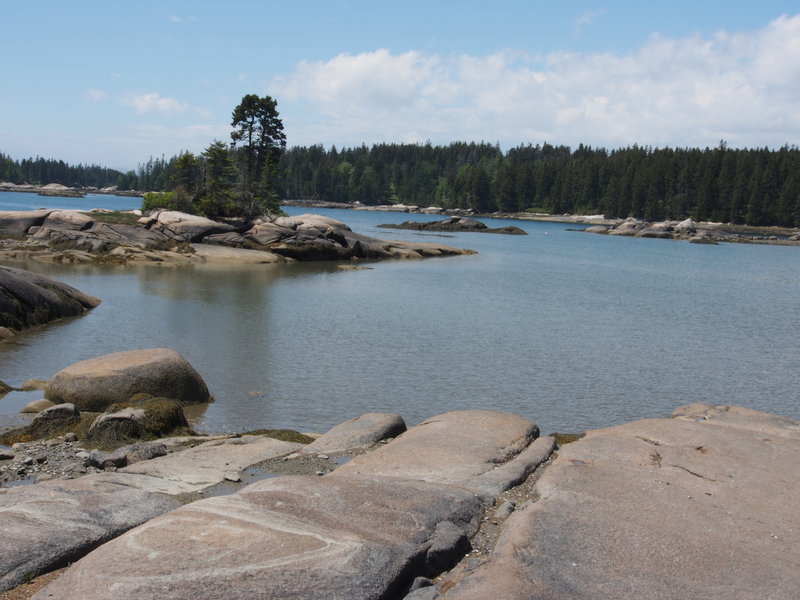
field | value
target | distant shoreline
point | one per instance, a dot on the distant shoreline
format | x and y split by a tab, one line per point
63	191
769	234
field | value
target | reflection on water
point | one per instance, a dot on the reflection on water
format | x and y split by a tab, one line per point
571	330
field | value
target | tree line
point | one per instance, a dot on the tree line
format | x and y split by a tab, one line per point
42	171
743	186
752	186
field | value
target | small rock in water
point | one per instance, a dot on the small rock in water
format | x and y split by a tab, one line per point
232	476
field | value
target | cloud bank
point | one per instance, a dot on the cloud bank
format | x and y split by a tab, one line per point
742	87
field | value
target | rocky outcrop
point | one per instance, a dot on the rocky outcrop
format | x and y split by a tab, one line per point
97	383
697	506
57	189
363	533
48	525
457	448
693	506
292	537
28	299
172	236
187	228
696	233
455	224
18	223
362	432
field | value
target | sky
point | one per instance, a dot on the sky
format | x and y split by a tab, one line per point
114	83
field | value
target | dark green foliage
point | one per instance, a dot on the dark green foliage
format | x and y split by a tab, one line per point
154	200
752	186
42	171
215	198
258	134
758	187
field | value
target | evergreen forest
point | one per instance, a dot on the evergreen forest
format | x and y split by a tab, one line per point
741	186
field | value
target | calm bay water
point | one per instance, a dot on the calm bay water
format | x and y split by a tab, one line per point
574	331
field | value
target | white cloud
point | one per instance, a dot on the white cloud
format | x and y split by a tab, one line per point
585	18
152	102
743	87
95	95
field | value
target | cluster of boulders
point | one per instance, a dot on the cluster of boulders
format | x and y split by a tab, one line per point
116	399
173	236
696	233
455	224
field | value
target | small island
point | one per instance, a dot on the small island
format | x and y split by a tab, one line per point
169	236
455	225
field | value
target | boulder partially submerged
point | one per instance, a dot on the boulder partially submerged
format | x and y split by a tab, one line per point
28	299
97	383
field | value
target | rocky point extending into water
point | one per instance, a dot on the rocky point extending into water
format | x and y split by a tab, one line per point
173	237
699	233
28	300
455	224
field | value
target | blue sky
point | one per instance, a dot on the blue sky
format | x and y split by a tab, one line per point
114	83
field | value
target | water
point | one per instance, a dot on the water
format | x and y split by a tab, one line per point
30	201
574	331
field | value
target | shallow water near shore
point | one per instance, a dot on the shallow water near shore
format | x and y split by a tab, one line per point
573	331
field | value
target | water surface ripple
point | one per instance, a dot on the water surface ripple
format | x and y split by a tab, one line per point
572	330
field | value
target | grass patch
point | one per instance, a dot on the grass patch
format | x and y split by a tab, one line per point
117	216
284	435
566	438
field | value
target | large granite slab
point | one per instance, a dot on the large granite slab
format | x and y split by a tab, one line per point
702	505
296	537
48	525
458	448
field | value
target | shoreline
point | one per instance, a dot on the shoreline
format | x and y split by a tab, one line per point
761	234
62	191
483	489
173	237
